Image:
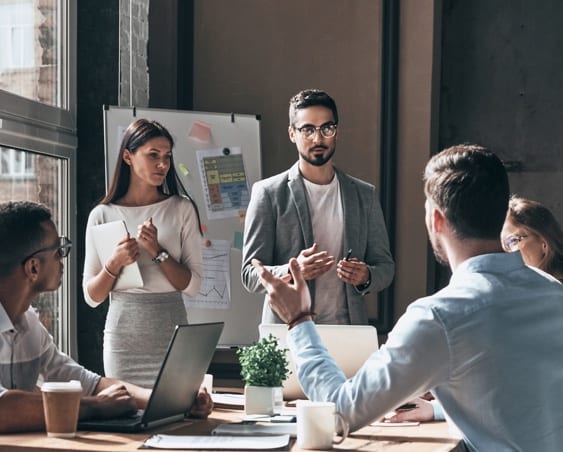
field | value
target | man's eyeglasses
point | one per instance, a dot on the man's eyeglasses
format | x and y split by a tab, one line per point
327	130
512	242
63	248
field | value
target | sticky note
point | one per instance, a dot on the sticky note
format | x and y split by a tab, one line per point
183	169
201	132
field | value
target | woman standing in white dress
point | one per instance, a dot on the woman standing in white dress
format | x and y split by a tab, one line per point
164	239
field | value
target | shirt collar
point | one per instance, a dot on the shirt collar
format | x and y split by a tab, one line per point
491	263
5	322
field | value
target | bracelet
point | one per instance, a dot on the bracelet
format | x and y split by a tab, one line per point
300	316
110	274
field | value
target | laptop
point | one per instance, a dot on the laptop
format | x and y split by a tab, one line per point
186	361
349	345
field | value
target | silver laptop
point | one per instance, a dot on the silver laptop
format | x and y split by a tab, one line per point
349	345
186	361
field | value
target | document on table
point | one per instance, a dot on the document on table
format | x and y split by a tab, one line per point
256	429
216	442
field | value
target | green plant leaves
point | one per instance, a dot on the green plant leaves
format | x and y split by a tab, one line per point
264	363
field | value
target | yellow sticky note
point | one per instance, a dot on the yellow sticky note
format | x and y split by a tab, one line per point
183	169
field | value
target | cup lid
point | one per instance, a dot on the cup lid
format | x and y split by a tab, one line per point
61	386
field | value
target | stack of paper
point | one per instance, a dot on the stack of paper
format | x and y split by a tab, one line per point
217	442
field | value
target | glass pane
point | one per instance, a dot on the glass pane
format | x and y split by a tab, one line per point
25	176
31	49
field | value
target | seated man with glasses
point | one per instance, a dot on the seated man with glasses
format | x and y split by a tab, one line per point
31	263
331	222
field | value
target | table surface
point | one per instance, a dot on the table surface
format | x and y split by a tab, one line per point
432	436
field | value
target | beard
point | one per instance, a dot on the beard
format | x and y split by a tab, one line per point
318	159
439	252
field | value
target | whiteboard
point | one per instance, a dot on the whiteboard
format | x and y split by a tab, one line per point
198	134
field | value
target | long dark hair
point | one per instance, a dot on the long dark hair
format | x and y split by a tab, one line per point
137	134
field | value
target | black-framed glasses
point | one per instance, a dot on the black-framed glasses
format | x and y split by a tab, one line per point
512	242
63	248
308	131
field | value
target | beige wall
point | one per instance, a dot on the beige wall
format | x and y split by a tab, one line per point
417	139
251	56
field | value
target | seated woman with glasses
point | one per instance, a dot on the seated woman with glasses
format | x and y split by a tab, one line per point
532	229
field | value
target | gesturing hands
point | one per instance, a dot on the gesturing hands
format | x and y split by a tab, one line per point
313	263
352	271
288	299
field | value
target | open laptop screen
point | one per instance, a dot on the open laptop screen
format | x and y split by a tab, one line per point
349	345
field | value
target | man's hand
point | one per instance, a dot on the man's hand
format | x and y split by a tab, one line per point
352	271
287	299
424	412
203	405
313	264
110	402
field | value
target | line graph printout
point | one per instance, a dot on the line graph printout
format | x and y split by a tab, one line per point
215	290
224	181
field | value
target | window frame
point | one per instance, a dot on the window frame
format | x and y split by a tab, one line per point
36	127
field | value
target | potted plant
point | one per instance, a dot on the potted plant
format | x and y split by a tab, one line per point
264	367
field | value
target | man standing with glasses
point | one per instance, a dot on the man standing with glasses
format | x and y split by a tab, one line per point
331	222
31	263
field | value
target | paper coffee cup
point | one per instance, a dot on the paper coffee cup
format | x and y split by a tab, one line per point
61	403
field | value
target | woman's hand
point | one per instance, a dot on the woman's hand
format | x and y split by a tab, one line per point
147	236
126	252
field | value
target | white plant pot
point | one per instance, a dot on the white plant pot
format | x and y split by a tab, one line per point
259	400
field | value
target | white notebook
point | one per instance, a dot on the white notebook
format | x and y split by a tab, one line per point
106	237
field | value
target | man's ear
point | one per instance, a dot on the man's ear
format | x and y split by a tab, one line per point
438	220
291	133
31	268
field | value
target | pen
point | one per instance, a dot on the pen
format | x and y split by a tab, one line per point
407	407
348	255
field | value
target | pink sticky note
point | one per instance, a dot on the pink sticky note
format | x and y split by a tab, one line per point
201	132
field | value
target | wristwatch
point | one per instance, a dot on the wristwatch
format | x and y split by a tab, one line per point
161	257
364	286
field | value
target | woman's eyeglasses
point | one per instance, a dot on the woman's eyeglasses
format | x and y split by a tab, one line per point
512	242
63	248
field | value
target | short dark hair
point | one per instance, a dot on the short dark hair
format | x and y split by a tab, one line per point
21	232
470	185
311	98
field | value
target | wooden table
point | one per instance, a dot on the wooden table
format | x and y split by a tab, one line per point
432	436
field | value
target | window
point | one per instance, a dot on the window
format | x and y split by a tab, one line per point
37	131
15	164
31	49
45	186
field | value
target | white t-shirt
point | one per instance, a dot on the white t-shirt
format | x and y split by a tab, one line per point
327	216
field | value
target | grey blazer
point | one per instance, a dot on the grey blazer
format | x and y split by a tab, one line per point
278	226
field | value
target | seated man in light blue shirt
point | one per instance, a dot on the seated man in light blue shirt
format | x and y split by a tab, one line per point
489	346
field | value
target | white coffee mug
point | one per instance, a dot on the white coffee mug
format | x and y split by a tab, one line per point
316	425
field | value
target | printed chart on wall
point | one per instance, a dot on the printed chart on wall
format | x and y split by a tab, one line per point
224	182
217	159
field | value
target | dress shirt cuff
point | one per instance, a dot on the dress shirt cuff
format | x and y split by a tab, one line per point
438	411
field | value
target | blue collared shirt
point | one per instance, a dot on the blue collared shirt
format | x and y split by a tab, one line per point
489	346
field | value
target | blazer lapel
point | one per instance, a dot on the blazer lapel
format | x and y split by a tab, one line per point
299	199
351	210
